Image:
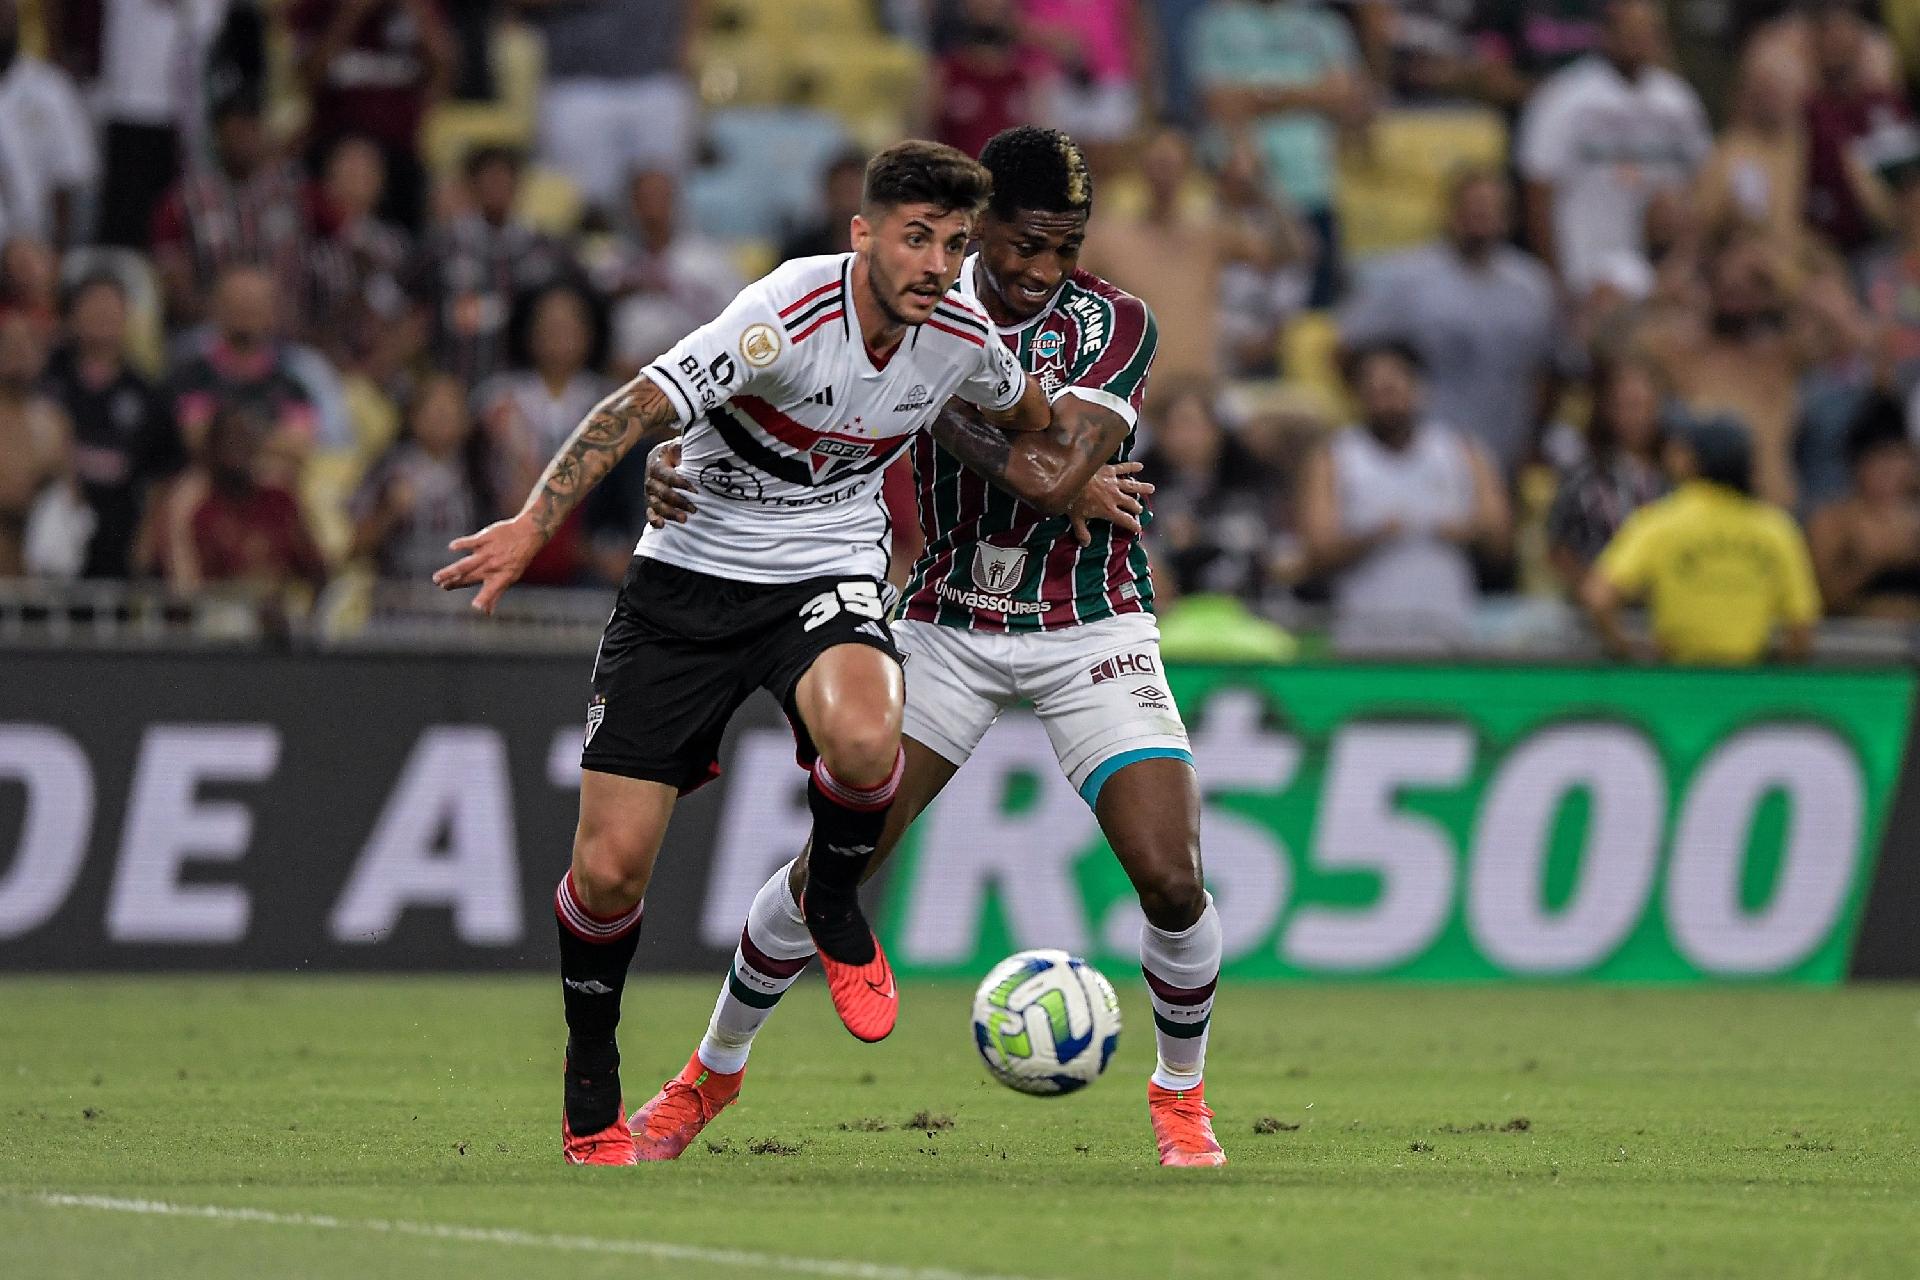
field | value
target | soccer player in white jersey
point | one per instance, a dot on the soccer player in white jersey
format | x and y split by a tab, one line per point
1007	605
792	402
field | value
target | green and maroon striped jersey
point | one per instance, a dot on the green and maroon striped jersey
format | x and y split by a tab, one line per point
993	563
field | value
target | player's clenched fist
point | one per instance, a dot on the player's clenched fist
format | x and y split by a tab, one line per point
496	557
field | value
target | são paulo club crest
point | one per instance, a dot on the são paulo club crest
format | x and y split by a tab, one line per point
998	569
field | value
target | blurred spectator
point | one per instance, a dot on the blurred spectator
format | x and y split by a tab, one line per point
1599	138
1756	177
1789	42
48	161
1525	41
1482	315
981	82
243	368
1169	255
1289	74
665	281
1845	107
430	488
147	96
1742	357
1394	509
559	343
1173	24
1425	51
35	449
238	529
1088	62
30	283
1212	502
1866	545
617	95
250	207
1719	569
361	264
473	268
1846	358
373	67
123	432
1266	268
841	190
1891	275
1622	470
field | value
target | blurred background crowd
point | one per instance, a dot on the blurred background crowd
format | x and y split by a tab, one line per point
293	291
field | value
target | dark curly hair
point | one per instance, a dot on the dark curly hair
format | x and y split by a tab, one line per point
1037	169
921	172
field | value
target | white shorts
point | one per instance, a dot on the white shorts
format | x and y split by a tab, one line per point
1100	690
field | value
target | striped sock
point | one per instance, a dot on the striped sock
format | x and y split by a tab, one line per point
774	948
594	954
847	822
1182	970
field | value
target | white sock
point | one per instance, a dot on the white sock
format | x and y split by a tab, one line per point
774	947
1182	970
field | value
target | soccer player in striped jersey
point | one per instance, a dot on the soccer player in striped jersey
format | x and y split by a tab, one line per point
1016	600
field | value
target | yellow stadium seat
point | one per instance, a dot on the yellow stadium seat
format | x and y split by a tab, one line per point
452	129
1391	189
550	200
1310	358
872	85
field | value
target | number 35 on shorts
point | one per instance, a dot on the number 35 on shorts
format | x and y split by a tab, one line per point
860	598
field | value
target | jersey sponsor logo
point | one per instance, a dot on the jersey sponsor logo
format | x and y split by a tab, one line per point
596	713
916	399
759	345
724	478
705	383
998	569
1091	315
1049	345
989	603
1125	664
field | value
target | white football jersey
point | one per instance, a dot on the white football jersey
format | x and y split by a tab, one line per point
789	424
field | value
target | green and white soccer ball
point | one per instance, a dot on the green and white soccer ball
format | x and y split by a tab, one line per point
1045	1022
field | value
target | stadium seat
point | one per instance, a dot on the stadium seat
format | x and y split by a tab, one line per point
452	129
1310	359
872	85
766	170
1390	191
550	200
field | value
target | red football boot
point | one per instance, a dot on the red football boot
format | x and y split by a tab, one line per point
1183	1126
685	1105
611	1145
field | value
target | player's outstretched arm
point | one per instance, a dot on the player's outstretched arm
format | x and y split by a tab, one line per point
499	554
1045	469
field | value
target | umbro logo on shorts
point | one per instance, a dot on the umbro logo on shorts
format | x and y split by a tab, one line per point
1152	696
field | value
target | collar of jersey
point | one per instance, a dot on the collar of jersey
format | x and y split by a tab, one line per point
967	286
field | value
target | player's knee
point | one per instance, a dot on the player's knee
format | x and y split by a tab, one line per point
609	870
1172	896
860	753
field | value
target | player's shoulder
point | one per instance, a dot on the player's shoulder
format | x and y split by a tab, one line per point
961	319
1105	313
801	296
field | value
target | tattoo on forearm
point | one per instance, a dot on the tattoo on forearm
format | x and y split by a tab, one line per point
639	409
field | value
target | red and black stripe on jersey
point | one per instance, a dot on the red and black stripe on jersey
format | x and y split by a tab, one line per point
1095	337
969	326
823	457
813	309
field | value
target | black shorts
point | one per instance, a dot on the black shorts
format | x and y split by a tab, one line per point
683	650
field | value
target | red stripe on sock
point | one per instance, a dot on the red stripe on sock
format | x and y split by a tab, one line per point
584	924
767	964
1178	995
866	800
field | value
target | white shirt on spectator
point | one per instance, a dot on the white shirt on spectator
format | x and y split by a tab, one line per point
1606	144
46	144
150	55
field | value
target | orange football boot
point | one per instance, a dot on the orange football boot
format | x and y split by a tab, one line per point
685	1105
1183	1126
864	995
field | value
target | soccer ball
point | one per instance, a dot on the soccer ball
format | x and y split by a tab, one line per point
1045	1022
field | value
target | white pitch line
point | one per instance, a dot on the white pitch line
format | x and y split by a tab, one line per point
747	1259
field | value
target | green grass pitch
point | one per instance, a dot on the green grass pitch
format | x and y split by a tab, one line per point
377	1127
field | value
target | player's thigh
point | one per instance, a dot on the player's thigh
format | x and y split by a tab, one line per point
957	685
622	822
824	649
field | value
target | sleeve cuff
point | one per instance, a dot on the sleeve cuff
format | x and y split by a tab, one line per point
682	405
1101	399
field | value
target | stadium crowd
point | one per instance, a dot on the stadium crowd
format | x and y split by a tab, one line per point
1447	290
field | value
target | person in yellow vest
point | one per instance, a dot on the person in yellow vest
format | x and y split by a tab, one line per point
1722	573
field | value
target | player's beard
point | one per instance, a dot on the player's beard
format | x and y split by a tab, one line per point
887	295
